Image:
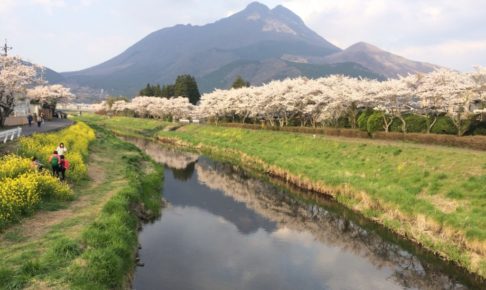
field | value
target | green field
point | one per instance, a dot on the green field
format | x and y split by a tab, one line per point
129	126
431	194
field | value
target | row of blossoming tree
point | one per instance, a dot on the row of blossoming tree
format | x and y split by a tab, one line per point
326	100
20	80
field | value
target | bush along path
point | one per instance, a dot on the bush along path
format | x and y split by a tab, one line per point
90	242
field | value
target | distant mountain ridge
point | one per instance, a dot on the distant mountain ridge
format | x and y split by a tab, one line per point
379	61
258	43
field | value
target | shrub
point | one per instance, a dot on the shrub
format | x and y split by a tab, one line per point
363	119
444	125
415	124
20	195
375	122
13	165
478	128
343	122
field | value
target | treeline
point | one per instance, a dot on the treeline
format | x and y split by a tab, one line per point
184	86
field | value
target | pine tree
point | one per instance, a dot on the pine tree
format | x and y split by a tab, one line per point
147	91
186	86
157	91
167	91
240	83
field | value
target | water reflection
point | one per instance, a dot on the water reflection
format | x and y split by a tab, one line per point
227	230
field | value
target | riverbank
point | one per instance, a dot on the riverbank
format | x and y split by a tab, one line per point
431	195
91	242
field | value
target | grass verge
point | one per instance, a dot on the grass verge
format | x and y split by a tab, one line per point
89	243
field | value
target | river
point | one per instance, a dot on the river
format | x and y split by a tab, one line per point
224	228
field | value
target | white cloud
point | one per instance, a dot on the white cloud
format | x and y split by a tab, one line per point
50	5
6	6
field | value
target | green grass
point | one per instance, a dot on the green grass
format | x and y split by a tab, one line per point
432	194
93	247
128	126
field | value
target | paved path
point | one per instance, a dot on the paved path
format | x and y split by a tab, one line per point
55	124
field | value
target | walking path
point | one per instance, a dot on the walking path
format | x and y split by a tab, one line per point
54	125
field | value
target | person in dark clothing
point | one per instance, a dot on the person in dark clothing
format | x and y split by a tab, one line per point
30	119
38	120
55	160
63	166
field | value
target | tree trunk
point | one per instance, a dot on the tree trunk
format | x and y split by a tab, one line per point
4	113
459	124
404	124
352	115
387	123
430	126
2	118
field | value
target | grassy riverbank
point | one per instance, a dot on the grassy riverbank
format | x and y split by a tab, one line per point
88	243
127	126
433	195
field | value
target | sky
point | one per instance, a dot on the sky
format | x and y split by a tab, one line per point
68	35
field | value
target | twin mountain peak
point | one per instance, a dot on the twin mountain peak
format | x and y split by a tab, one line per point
258	43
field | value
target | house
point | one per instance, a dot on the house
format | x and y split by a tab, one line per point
21	110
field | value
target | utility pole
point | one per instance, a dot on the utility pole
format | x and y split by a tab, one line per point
6	48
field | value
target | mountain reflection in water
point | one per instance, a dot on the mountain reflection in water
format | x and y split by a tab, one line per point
227	230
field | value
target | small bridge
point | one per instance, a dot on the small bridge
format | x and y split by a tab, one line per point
10	134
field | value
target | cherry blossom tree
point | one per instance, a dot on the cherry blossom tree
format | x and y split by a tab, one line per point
15	76
48	96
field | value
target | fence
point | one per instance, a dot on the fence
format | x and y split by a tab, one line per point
10	134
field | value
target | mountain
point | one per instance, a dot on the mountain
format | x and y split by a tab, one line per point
257	43
53	77
379	61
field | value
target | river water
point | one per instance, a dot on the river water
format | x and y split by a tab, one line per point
225	229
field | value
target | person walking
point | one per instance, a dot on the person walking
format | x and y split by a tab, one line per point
30	119
63	166
61	149
55	160
38	119
42	117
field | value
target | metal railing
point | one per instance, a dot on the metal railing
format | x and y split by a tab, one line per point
10	134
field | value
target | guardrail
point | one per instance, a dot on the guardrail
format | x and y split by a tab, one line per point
10	134
187	121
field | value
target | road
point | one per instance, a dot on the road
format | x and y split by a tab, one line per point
55	124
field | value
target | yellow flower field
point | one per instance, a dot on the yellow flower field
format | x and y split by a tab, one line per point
23	187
